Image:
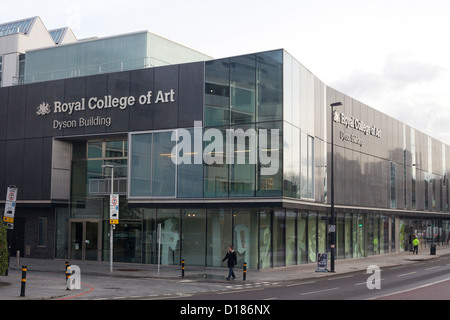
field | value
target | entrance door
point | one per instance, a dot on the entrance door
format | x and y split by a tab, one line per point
85	241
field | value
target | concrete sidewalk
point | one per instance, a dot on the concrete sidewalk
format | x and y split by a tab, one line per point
46	278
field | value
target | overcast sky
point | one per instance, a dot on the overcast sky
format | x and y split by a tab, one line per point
391	55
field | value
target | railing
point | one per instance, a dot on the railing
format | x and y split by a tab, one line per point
117	66
102	187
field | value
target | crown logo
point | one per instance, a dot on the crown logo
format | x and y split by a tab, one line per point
43	109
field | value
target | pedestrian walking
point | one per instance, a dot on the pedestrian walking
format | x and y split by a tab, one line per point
415	243
232	261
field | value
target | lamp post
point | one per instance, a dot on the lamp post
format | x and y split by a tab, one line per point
333	215
112	226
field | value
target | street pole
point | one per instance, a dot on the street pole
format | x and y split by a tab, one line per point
333	215
111	226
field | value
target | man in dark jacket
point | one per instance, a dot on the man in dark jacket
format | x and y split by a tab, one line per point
232	261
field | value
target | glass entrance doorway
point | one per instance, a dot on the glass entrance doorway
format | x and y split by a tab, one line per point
85	241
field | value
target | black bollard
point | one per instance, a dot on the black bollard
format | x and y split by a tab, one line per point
182	268
24	281
68	274
67	264
244	276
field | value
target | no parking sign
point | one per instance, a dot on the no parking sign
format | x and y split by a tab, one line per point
114	209
10	204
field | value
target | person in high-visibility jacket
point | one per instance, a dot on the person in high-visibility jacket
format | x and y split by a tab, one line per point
415	243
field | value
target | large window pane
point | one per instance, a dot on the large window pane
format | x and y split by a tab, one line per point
170	235
270	85
246	236
243	89
217	93
140	177
149	237
291	238
163	181
279	230
219	236
242	143
194	225
312	236
270	160
265	238
190	175
215	167
302	238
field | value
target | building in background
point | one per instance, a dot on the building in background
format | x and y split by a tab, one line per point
30	53
218	152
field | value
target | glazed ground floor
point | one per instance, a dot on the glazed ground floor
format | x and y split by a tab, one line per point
263	237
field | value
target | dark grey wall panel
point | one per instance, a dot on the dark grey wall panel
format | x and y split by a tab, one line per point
3	112
165	113
141	116
14	165
32	169
190	97
15	126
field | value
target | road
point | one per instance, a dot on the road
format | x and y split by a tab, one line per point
427	280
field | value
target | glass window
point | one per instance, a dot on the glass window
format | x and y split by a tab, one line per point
243	89
114	149
322	233
170	235
149	241
279	229
307	166
270	152
312	236
217	93
95	149
216	182
270	85
265	239
291	238
152	172
193	237
348	235
393	186
141	173
359	236
163	178
246	236
340	236
219	236
302	238
242	143
190	174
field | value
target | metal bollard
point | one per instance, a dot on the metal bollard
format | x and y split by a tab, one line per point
244	276
24	281
67	264
68	274
182	268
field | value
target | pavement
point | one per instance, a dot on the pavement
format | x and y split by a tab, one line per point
46	278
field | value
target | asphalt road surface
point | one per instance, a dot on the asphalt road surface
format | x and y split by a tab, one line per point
426	280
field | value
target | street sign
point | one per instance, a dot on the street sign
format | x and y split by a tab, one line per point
114	209
322	262
10	204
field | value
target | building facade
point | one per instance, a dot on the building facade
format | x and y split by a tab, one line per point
232	151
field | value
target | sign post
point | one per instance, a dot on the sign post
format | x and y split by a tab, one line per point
113	215
10	206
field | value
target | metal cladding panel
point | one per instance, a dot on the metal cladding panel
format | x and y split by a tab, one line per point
139	100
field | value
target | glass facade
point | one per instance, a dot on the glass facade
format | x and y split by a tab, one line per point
252	172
